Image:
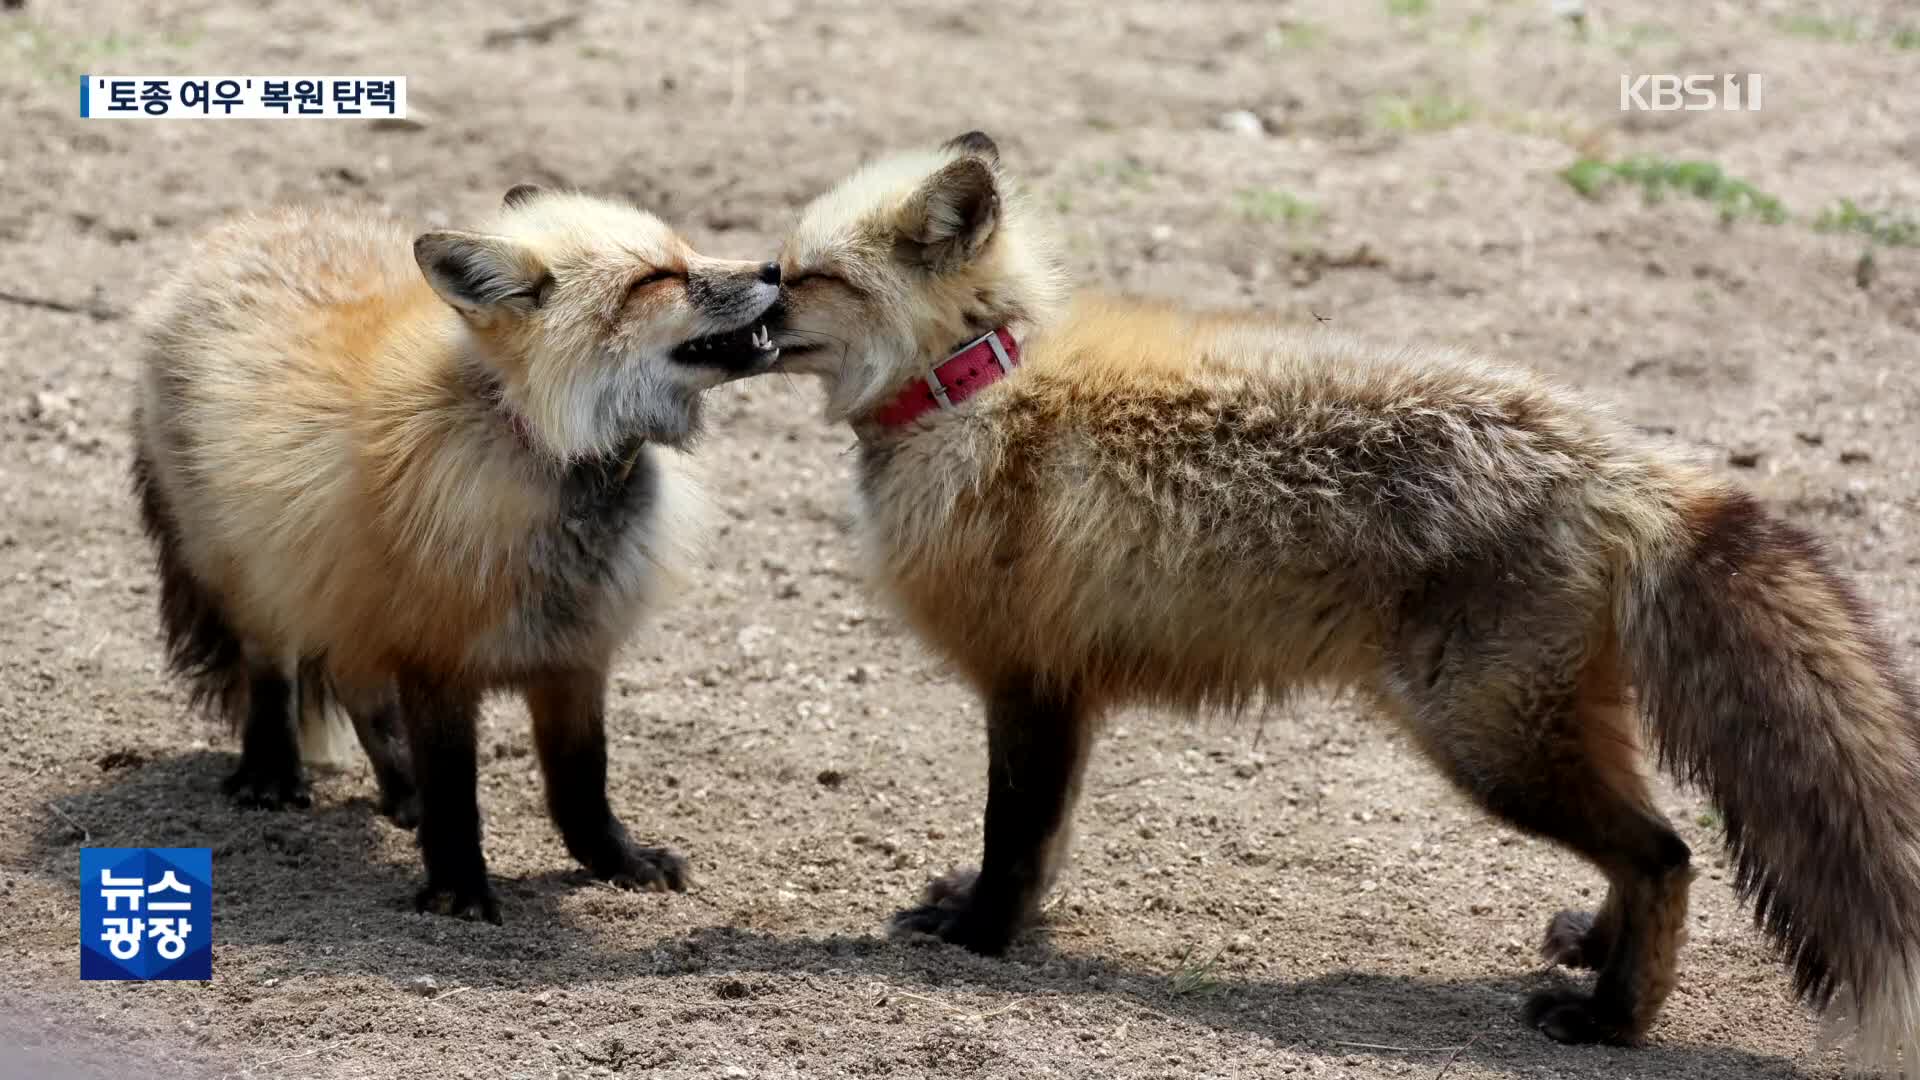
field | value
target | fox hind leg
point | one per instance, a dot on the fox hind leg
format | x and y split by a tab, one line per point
1533	726
1037	744
381	729
269	775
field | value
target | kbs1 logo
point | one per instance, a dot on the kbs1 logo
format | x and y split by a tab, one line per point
1690	93
146	913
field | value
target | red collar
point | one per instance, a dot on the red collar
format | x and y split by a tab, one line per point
977	365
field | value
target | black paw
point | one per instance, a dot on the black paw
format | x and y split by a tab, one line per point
648	869
1570	1016
948	912
402	810
1572	942
268	789
467	902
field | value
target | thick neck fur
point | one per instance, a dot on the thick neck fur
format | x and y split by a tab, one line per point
443	438
1016	280
598	411
1018	285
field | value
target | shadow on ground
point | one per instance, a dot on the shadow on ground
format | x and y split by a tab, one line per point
296	880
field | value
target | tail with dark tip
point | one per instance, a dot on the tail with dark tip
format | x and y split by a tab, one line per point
201	647
1765	682
326	734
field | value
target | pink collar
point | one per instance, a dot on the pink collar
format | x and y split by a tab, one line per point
977	365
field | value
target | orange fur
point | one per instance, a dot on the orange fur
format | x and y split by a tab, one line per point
1198	510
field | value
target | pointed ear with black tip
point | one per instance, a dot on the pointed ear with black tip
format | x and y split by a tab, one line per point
521	193
952	216
977	143
482	276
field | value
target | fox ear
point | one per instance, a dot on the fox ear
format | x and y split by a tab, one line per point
480	275
952	216
520	193
977	143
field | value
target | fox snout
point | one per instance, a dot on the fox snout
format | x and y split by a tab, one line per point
731	299
729	293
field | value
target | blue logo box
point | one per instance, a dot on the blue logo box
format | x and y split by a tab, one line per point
146	913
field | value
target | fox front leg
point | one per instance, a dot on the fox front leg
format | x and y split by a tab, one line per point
569	729
1037	743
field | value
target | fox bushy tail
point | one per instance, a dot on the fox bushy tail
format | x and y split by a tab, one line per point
204	649
201	647
1765	682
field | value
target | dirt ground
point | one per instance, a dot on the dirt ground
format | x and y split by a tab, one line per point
1289	895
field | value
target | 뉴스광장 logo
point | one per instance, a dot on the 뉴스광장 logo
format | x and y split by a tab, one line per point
146	913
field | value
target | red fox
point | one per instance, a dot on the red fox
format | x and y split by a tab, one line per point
1084	503
411	470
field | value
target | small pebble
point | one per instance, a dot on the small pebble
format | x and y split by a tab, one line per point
1241	122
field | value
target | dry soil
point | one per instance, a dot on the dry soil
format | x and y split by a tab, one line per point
1292	894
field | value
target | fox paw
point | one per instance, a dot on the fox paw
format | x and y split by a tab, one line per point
947	911
267	789
465	902
647	869
1574	941
1570	1016
402	810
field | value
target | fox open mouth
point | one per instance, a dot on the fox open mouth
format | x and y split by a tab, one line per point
749	348
791	343
791	349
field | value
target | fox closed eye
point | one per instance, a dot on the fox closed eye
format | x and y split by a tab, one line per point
819	276
651	279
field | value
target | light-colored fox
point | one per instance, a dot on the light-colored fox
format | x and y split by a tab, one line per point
410	470
1090	503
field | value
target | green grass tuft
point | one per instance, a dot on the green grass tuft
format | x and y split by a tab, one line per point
1819	27
57	56
1274	207
1195	977
1407	9
1848	31
1432	112
1124	172
1588	176
1656	177
1880	226
1295	34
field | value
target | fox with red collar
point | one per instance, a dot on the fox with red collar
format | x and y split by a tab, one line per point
1142	505
400	471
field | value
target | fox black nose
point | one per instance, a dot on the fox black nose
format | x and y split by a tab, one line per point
770	273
